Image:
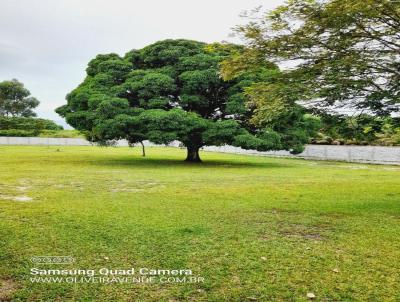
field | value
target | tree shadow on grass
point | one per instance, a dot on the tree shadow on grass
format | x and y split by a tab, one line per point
149	162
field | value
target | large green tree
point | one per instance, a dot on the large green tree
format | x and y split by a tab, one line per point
15	100
172	90
337	53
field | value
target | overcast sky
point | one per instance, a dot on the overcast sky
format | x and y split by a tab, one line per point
46	44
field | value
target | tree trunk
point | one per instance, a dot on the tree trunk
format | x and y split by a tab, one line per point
193	154
143	150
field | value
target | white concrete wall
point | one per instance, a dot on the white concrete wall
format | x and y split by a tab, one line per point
363	154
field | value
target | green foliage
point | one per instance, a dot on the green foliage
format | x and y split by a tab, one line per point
363	129
25	126
19	133
15	100
172	90
342	53
61	134
27	123
389	135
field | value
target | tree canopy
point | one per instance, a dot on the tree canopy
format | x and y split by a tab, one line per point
341	53
172	90
15	100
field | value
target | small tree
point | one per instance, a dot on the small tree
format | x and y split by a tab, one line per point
171	90
15	100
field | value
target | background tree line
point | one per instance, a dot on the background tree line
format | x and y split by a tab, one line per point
17	117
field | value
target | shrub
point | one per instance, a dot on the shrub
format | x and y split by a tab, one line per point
61	133
18	132
26	126
27	123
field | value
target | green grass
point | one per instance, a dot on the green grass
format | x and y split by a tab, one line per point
256	228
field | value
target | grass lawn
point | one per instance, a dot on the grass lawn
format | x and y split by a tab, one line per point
256	228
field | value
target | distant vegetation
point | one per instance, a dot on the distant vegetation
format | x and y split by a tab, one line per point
61	134
17	117
15	100
29	126
26	126
359	130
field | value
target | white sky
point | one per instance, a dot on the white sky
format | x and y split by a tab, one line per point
46	44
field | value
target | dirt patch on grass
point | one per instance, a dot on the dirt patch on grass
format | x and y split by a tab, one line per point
7	288
22	198
275	223
15	192
22	188
277	211
302	231
356	167
127	190
16	198
69	185
264	237
391	169
139	186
